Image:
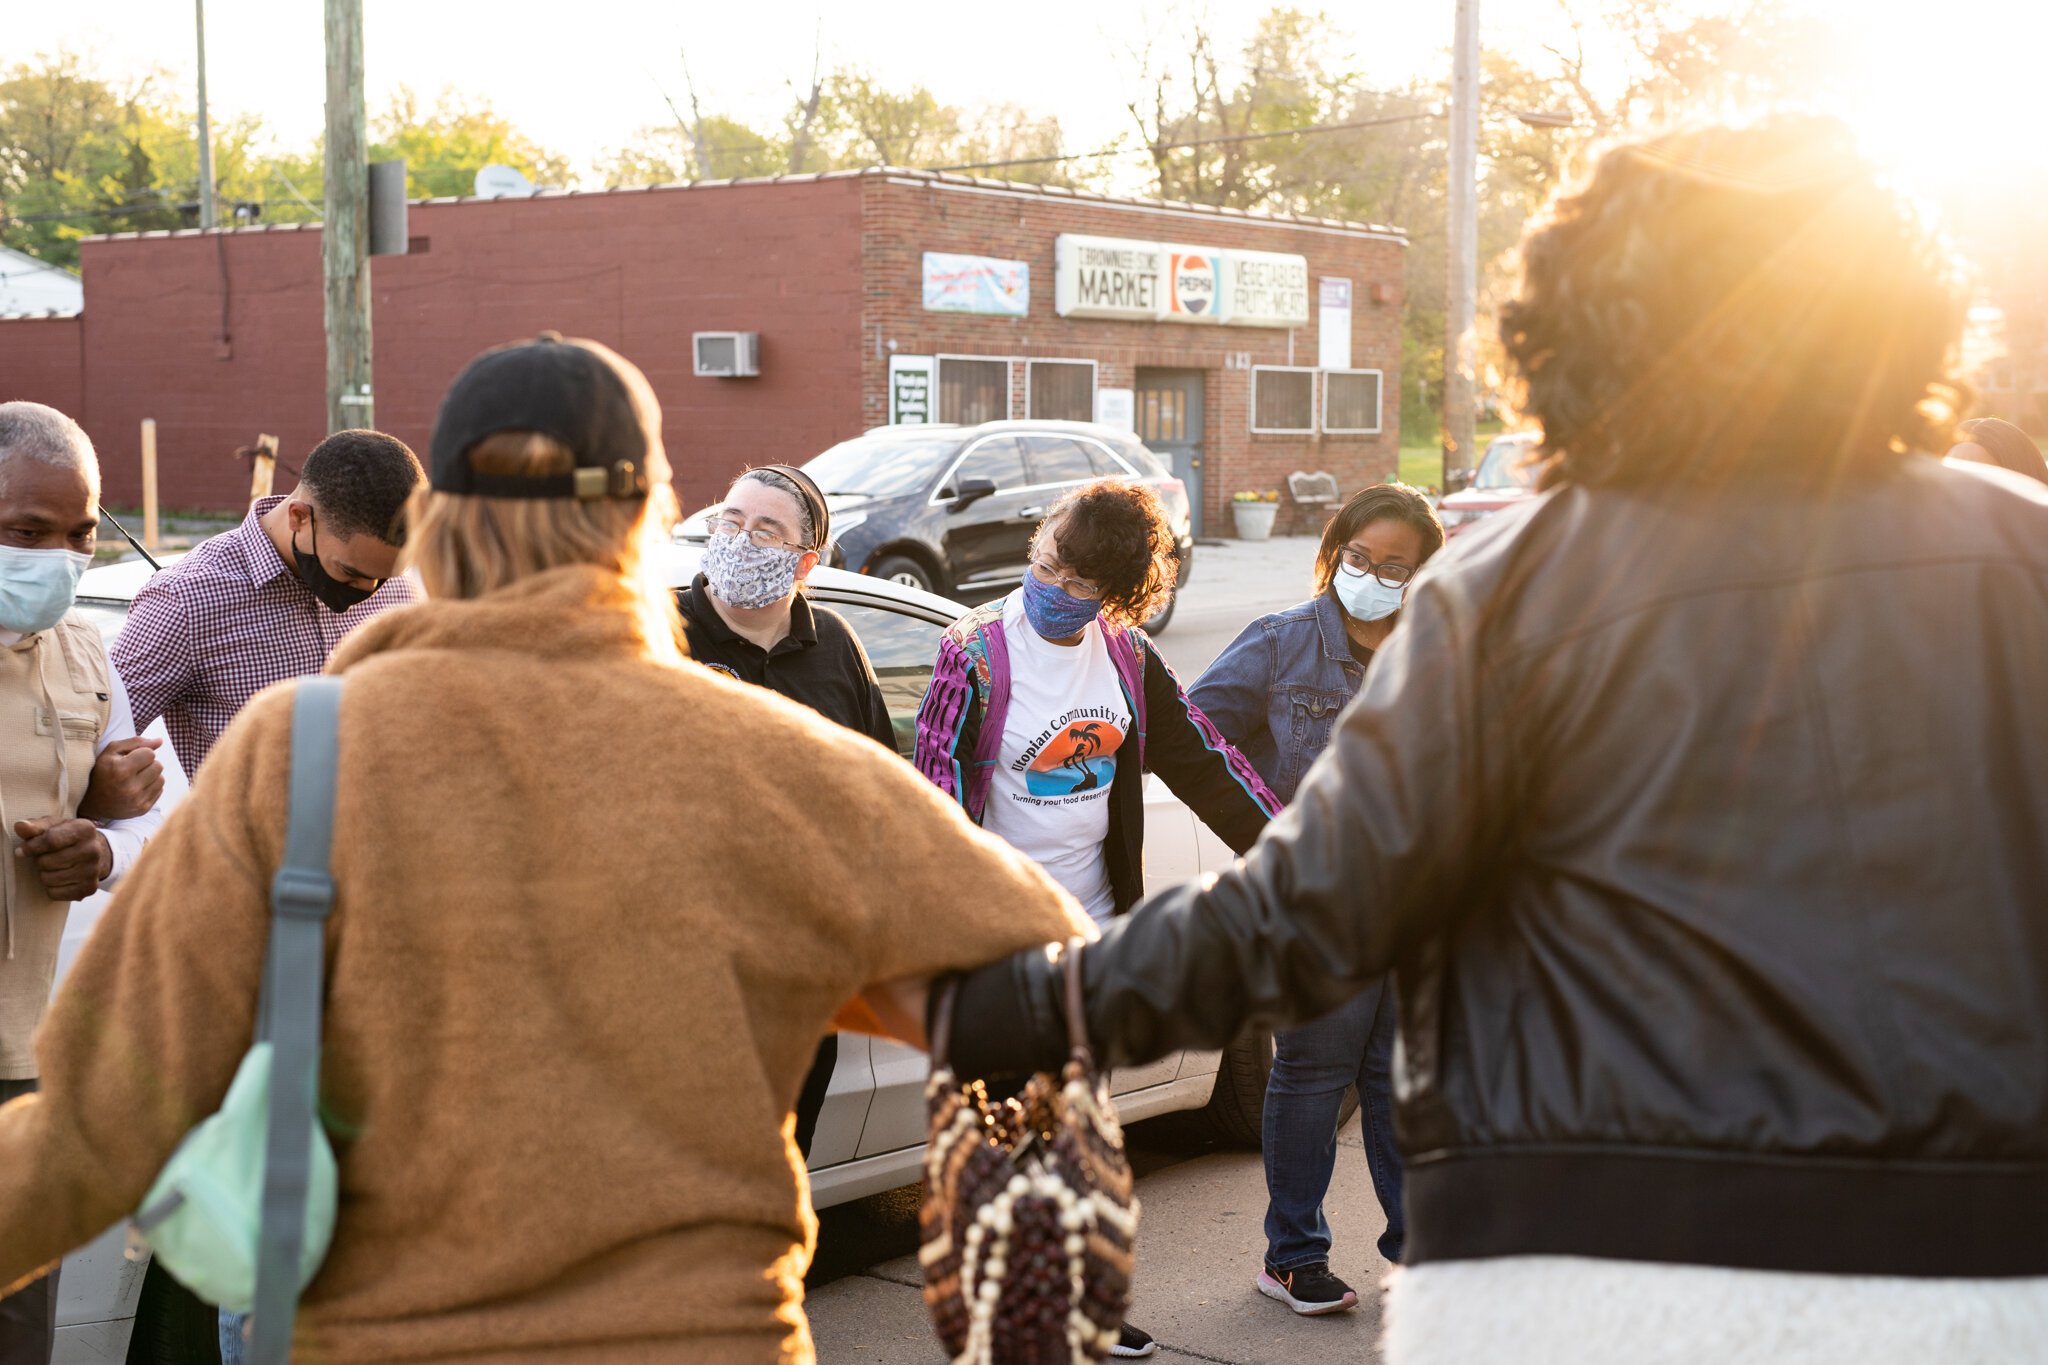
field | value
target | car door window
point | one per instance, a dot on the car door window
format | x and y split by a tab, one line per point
902	649
1058	459
998	459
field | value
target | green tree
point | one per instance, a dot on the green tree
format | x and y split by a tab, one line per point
445	145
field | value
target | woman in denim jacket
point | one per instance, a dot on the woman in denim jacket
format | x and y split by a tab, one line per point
1275	694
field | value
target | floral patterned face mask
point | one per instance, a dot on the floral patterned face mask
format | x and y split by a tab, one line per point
748	576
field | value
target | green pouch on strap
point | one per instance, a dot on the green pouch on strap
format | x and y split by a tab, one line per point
203	1218
243	1212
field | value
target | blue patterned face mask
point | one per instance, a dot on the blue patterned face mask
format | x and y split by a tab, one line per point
38	586
1054	612
748	576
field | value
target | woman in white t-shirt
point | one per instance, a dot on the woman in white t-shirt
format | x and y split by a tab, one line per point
1047	708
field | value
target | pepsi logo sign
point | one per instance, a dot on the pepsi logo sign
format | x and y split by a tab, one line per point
1194	285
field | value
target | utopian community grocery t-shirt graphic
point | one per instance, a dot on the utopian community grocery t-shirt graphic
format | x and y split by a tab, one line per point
1074	755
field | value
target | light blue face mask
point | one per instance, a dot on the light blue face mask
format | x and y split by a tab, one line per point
1365	598
38	586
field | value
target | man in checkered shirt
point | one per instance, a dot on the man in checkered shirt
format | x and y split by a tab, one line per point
270	599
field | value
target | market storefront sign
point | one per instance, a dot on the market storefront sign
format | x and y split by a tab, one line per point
976	284
1114	277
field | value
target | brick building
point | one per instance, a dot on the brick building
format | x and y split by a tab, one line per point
1244	346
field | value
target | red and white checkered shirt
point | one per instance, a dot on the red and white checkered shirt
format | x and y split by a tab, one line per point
222	624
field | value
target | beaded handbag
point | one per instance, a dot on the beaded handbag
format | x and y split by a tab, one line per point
1029	1218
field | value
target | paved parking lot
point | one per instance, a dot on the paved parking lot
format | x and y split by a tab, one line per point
1200	1239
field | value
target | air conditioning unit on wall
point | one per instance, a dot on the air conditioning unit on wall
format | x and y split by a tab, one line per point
727	355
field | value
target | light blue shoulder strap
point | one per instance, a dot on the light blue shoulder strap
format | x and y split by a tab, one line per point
301	895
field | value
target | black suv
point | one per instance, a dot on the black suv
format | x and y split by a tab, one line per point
950	509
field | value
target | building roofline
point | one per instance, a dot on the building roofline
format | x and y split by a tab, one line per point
892	174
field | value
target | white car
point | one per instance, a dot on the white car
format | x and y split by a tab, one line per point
871	1130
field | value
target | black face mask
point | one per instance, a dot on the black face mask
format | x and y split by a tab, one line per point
334	594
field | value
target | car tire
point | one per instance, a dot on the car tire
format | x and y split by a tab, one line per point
905	570
1157	621
1237	1106
173	1326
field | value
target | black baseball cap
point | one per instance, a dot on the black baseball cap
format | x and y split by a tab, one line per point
584	394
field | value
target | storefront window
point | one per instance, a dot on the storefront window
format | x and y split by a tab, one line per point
1283	400
973	391
1062	390
1351	401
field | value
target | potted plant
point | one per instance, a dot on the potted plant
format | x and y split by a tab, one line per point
1255	513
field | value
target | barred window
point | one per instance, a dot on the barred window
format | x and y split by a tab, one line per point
1061	390
973	391
1283	399
1351	401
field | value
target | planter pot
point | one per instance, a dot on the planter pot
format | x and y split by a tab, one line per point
1254	519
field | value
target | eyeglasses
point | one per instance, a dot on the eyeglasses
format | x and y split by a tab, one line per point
1079	588
760	535
1358	566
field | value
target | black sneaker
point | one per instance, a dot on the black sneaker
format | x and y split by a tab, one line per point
1133	1343
1310	1290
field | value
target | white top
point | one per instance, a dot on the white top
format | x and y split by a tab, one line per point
1066	723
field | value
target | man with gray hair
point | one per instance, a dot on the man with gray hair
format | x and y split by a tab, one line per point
69	756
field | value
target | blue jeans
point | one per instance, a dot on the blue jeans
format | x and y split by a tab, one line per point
233	1349
1312	1065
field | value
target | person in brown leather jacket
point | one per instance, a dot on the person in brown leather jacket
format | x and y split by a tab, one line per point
1698	807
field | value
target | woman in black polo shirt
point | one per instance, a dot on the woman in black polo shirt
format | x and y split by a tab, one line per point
746	616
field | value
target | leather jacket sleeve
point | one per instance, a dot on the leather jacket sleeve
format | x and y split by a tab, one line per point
1389	831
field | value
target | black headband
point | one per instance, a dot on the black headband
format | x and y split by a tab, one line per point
813	499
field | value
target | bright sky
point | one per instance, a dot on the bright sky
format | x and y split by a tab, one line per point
1933	88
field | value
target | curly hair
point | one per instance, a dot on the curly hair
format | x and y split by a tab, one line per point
1381	502
1116	536
361	481
1734	304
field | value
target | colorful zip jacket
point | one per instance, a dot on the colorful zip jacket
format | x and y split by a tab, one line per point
960	730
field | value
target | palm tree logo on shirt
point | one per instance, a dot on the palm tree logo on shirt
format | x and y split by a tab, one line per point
1081	759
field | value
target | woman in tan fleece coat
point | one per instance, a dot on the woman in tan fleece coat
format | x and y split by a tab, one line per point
596	905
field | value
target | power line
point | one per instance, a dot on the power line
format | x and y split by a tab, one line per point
1154	148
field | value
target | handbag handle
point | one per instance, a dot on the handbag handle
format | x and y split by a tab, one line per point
1077	1013
1077	1017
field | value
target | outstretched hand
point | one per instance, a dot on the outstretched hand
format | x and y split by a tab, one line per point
70	857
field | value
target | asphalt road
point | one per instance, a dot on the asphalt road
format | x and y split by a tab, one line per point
1200	1242
1200	1237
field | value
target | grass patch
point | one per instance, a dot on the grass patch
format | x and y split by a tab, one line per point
1423	466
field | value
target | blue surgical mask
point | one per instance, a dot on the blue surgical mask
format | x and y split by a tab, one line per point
1365	598
1054	612
38	586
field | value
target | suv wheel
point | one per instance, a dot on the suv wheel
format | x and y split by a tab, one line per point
905	570
1236	1109
1158	620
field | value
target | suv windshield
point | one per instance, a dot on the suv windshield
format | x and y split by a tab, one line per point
882	466
1503	468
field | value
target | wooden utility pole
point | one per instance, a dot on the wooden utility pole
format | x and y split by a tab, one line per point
1460	341
206	195
345	233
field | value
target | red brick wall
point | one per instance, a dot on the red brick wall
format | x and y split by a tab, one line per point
639	271
40	363
904	220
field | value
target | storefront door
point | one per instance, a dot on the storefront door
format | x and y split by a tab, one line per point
1169	413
